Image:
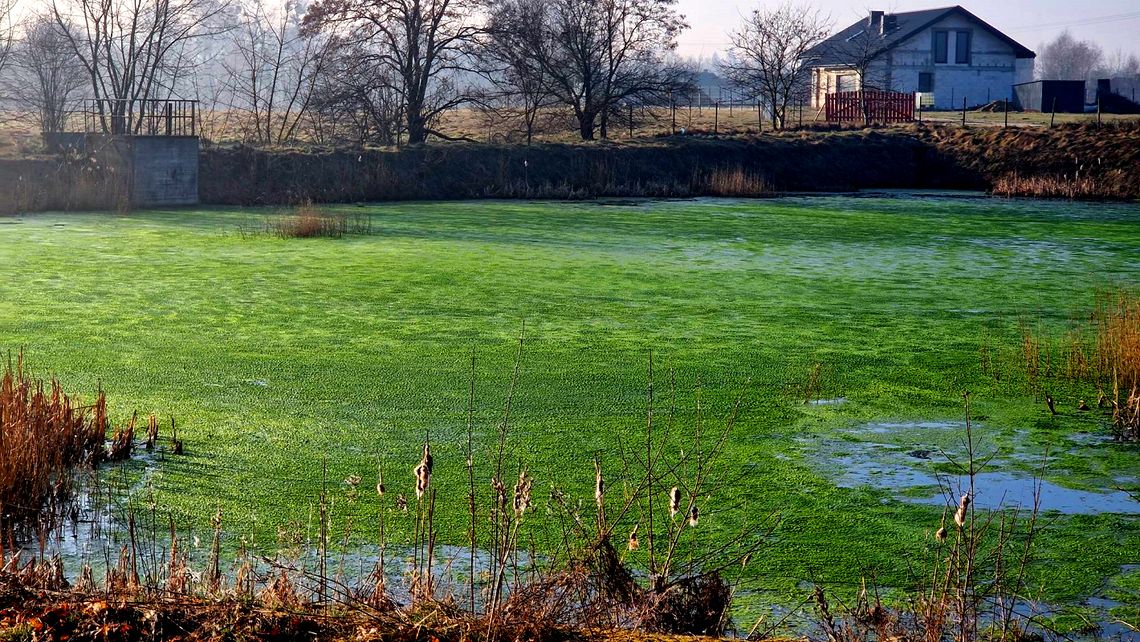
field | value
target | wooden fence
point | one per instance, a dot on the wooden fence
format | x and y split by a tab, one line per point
874	106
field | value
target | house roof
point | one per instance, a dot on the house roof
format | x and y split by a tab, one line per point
906	24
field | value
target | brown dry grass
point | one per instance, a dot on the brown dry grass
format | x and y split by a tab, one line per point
1117	320
1105	352
737	181
307	221
1113	186
44	432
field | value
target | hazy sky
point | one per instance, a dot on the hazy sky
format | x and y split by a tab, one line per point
1114	24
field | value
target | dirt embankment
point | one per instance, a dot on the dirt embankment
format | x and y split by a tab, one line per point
665	167
1071	161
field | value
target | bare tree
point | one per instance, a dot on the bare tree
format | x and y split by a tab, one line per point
356	100
133	50
517	83
419	43
599	54
7	31
772	53
1066	58
46	73
273	70
1119	64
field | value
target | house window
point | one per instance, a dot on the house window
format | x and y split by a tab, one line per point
941	47
951	47
962	48
925	82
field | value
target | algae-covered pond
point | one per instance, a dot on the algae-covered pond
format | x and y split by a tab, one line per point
277	356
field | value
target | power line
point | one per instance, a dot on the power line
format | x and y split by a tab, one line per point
1119	17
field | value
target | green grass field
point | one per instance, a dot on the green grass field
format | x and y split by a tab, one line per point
278	355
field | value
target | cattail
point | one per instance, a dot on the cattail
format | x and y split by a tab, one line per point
960	514
694	516
500	490
380	483
599	484
940	534
402	502
427	458
423	472
674	502
633	543
522	492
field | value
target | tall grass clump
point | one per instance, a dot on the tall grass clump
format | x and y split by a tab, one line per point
44	433
307	221
1102	351
1117	321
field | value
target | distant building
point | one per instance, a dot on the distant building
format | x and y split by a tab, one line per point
946	55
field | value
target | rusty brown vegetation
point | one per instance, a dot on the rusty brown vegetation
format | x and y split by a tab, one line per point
1103	351
44	433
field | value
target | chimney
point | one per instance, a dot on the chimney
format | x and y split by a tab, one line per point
890	23
875	22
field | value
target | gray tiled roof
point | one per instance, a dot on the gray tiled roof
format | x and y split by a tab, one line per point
832	51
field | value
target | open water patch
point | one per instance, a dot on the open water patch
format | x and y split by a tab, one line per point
914	463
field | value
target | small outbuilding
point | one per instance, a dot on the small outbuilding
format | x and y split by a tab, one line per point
1062	96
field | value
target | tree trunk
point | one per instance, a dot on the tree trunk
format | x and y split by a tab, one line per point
417	129
605	126
586	124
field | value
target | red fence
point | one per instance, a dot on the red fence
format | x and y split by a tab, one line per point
875	106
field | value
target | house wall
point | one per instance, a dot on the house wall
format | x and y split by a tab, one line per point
990	75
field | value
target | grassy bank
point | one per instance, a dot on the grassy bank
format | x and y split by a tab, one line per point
278	355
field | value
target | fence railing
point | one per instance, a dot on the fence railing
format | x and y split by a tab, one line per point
870	106
141	117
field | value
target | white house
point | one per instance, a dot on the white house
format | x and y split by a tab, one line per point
946	54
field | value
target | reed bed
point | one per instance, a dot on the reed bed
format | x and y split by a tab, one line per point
44	433
1111	186
737	182
1102	351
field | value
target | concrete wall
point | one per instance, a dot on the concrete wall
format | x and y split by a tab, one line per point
165	170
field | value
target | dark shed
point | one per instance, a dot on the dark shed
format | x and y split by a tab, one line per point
1040	95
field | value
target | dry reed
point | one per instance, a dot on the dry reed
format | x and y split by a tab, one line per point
736	181
1110	186
44	433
